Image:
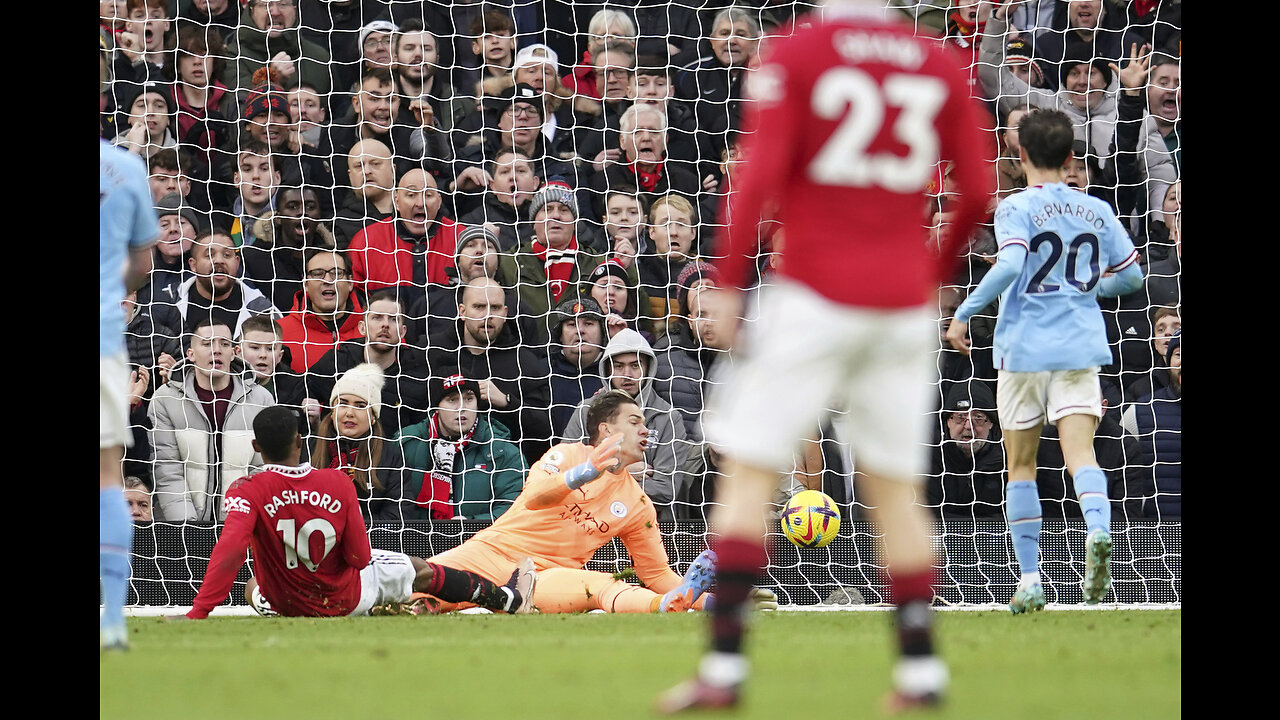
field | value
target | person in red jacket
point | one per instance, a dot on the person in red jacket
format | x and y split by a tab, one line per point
413	247
325	312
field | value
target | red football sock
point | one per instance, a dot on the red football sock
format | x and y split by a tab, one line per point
913	594
738	565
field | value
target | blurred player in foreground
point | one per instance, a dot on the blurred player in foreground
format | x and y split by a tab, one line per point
852	116
295	517
1059	250
578	497
127	228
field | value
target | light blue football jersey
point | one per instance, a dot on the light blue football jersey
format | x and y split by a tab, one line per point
126	220
1049	315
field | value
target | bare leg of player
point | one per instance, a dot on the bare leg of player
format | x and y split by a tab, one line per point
740	557
920	677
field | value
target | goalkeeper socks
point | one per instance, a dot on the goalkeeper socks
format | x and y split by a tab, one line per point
1022	508
115	539
464	586
737	569
913	594
1091	489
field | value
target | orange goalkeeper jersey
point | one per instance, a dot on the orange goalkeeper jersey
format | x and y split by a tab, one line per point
560	527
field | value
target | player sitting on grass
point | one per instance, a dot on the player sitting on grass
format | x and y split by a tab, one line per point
311	548
1059	250
577	498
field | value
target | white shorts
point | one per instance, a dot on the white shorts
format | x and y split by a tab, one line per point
387	578
1024	399
113	402
805	354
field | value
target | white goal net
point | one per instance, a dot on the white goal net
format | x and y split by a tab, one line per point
420	139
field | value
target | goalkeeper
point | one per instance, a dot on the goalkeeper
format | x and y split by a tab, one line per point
577	498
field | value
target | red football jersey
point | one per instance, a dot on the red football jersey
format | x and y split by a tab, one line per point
850	119
308	538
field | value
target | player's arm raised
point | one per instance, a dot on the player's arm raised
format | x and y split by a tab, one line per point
227	557
548	485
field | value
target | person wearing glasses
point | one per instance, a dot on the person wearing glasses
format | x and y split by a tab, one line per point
325	312
511	119
967	474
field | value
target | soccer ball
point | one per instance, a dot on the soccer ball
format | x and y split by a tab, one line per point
810	519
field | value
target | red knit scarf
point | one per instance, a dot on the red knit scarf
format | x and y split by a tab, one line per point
647	181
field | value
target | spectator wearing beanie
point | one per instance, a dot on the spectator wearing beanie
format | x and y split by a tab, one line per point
610	285
350	438
549	269
146	121
1088	97
460	465
179	225
477	256
967	477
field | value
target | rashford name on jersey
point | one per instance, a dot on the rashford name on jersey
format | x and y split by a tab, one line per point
319	500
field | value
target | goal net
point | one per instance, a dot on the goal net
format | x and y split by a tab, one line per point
419	140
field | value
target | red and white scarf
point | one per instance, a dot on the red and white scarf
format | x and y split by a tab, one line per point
558	265
436	494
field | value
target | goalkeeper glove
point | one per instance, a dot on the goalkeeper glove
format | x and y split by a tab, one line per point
760	599
603	457
764	599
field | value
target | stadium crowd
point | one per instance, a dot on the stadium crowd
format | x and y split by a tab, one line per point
437	229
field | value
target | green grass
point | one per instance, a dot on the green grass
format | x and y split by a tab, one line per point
1092	665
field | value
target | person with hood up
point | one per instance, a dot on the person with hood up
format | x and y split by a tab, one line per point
628	364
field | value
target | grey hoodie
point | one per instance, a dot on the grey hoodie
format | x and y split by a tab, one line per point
670	455
1097	127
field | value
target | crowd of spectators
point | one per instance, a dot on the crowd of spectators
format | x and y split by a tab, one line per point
437	229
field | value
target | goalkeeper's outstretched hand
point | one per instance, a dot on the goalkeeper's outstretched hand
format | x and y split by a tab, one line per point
763	599
760	599
603	457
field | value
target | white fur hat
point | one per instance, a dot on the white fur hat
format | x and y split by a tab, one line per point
365	382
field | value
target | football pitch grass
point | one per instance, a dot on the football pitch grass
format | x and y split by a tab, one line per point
1056	664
